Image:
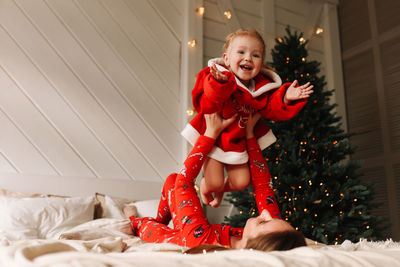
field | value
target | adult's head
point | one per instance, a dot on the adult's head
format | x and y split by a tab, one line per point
266	233
262	233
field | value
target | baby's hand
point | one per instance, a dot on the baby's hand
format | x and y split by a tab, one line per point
295	93
217	74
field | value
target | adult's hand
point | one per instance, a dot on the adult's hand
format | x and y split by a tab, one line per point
251	122
216	124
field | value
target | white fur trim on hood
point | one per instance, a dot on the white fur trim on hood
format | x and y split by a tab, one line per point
276	81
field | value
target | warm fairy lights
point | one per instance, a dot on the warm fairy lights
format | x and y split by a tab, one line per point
302	40
190	112
197	188
192	43
319	30
200	10
228	14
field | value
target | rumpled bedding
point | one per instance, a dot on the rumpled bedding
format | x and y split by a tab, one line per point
109	242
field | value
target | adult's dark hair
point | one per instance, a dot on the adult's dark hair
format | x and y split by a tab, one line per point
283	240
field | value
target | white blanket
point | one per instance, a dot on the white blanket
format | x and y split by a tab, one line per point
118	248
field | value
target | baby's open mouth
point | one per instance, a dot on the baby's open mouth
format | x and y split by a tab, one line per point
245	67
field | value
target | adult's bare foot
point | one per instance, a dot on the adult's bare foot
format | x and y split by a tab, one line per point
129	211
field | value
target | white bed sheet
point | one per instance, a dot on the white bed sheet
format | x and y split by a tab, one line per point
108	242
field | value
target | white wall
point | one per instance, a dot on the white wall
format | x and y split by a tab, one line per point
91	89
97	90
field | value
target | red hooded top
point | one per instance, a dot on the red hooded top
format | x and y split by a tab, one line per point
264	95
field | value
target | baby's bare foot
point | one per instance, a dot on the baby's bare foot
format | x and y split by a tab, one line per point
206	197
217	199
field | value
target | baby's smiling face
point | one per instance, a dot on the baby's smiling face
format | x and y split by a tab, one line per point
244	57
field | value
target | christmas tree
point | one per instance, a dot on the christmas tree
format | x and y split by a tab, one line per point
317	187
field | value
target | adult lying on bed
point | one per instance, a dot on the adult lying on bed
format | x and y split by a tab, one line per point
180	202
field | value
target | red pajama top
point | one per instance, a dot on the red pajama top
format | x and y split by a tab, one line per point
265	95
180	202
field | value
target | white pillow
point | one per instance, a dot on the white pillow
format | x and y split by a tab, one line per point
147	208
113	209
144	208
43	218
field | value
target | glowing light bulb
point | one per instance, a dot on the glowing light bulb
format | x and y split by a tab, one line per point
192	43
228	14
190	112
200	10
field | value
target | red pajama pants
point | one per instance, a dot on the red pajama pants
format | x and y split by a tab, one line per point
179	202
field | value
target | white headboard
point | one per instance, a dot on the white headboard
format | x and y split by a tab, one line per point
75	187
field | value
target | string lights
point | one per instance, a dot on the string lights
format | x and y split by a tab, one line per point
192	43
318	30
228	14
200	10
190	112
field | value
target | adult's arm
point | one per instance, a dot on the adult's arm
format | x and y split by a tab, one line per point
261	180
193	223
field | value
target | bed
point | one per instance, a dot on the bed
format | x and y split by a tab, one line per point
55	230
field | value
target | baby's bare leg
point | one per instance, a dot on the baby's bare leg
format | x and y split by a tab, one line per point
213	180
238	179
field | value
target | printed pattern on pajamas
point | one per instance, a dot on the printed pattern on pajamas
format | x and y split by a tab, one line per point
179	202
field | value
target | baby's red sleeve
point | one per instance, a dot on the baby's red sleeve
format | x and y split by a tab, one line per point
209	95
277	110
261	180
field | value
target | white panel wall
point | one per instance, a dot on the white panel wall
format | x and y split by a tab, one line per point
91	88
300	15
97	89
